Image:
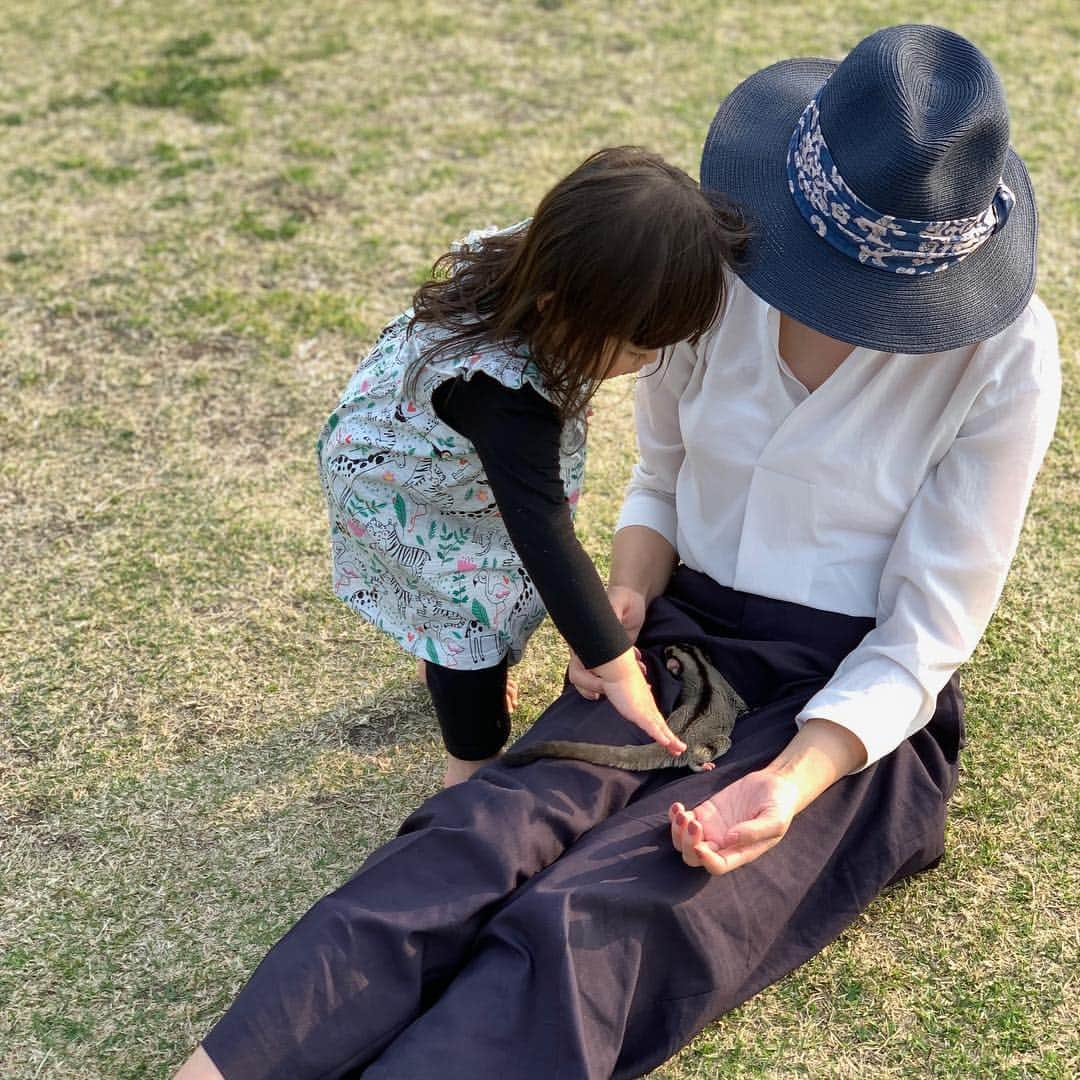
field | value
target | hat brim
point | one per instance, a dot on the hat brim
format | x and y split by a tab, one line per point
790	267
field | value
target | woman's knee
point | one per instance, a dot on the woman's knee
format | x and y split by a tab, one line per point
621	901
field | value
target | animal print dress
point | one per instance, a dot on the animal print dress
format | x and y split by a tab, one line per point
418	546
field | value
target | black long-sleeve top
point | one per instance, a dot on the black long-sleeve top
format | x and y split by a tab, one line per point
517	434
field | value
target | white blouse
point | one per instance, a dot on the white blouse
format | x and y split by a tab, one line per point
895	490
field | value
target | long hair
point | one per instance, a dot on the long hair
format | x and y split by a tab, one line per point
627	249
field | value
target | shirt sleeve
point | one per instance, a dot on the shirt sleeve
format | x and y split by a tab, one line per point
946	569
650	495
517	435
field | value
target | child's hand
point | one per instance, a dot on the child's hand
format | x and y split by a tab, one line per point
588	683
629	608
624	685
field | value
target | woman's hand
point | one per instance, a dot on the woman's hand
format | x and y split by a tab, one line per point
737	824
745	819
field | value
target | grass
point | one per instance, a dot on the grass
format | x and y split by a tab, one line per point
206	213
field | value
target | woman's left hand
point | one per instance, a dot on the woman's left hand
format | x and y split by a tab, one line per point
737	824
745	819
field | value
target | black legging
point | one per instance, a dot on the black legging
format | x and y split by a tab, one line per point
471	707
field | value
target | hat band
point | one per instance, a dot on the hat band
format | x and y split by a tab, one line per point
880	240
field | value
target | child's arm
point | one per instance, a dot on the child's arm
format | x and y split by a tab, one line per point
641	564
516	434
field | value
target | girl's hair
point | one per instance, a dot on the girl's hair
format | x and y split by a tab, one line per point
626	249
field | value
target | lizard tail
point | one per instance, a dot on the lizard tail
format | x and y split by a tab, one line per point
559	748
646	756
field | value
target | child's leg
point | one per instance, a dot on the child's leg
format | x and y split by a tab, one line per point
472	711
511	684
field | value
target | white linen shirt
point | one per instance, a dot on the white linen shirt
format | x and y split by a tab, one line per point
896	490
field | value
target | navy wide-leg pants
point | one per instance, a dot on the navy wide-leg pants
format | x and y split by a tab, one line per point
536	922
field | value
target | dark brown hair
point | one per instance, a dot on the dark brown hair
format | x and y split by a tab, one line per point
626	249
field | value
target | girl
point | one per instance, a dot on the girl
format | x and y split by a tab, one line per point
453	463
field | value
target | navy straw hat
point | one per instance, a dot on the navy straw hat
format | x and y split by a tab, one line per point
889	209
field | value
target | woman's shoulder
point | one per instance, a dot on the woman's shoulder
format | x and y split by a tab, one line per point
1024	356
741	310
1035	323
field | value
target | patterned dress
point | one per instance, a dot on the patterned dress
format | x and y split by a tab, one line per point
418	546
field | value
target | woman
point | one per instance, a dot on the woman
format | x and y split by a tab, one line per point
830	491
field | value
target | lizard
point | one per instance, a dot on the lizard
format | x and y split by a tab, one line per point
703	718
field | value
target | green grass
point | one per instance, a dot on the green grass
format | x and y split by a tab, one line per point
206	213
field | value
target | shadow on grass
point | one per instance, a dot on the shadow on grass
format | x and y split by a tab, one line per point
396	714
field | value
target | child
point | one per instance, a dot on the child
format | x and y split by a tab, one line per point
453	464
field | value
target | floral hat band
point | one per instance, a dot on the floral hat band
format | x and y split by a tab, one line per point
885	241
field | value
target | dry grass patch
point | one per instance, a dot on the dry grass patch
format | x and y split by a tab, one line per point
206	212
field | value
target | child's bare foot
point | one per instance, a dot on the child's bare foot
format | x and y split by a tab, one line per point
199	1067
458	770
511	685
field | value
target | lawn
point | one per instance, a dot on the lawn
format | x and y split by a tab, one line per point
207	211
